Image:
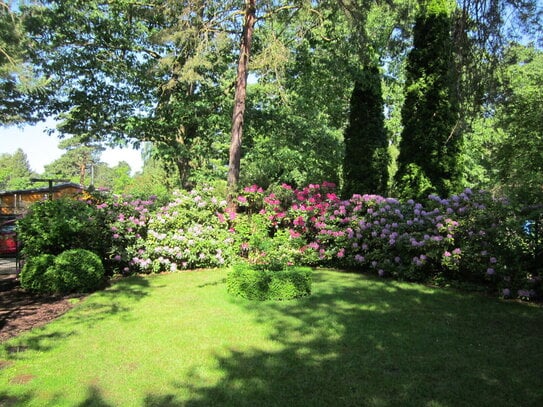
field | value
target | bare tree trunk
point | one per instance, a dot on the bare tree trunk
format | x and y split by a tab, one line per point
240	96
82	172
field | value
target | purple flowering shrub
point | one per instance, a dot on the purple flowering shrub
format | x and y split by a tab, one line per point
192	231
124	226
468	238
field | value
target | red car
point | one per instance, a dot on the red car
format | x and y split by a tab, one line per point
8	238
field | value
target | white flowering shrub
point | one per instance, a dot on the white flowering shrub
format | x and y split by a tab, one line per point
190	232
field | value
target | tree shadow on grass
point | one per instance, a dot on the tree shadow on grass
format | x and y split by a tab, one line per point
94	399
377	344
100	305
7	400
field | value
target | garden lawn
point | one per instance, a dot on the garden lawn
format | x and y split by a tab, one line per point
181	340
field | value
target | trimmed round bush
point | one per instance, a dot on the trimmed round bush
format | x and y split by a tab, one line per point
34	275
77	270
246	282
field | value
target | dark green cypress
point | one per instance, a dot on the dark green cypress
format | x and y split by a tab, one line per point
365	166
430	145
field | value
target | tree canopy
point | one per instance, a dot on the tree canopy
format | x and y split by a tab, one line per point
165	72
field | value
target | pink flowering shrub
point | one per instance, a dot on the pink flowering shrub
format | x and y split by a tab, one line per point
262	240
468	238
125	226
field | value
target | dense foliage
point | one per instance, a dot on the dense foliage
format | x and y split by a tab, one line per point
520	119
365	168
23	91
53	226
470	239
34	275
247	282
15	172
162	72
75	270
430	143
109	228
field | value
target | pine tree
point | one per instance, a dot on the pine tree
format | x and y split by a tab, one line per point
430	145
15	172
365	166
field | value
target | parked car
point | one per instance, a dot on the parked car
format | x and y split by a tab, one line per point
8	238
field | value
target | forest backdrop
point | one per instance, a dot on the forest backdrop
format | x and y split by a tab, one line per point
400	98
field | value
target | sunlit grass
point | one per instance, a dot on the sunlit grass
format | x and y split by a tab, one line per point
180	339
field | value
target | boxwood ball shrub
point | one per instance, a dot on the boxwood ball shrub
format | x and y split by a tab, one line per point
256	284
34	275
77	270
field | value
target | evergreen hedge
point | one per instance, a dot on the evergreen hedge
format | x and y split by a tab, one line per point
247	282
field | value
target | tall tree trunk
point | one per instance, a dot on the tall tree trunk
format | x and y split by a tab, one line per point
240	96
82	171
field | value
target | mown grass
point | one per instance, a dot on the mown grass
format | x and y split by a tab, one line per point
181	340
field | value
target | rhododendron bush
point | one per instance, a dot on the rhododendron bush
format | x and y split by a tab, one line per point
190	232
469	238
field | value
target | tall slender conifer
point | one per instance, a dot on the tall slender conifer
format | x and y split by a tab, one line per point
430	145
365	167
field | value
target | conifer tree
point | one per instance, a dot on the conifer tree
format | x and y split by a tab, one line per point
365	166
430	145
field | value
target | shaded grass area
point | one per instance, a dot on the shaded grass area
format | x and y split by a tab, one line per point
181	340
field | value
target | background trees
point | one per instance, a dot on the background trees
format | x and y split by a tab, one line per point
519	118
366	143
15	172
23	90
324	81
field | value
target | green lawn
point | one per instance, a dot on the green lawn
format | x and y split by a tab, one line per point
181	340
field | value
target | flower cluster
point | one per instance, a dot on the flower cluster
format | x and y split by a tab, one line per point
192	231
462	238
468	238
126	222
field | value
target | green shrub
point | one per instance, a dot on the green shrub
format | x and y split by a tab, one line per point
35	276
54	226
265	246
77	270
247	282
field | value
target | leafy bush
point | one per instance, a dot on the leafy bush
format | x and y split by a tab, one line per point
292	282
53	226
190	232
124	224
76	270
255	284
263	245
34	275
108	225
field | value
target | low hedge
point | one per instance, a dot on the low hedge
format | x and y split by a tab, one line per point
246	282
